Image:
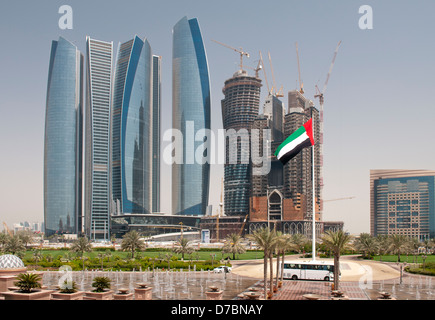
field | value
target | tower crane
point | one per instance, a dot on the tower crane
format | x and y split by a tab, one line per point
264	71
240	51
320	94
257	70
7	229
338	199
279	92
301	84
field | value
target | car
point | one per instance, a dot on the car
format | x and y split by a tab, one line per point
222	269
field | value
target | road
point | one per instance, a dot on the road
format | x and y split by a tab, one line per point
352	268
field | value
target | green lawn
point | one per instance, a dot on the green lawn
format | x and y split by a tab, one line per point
405	258
200	255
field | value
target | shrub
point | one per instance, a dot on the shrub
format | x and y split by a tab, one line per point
28	281
68	287
101	283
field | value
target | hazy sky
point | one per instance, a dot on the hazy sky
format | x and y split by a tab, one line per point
378	109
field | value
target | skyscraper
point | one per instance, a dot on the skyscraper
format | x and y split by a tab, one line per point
298	183
240	108
191	113
99	94
402	202
63	140
157	120
132	128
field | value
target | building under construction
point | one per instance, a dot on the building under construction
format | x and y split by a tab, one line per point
240	108
282	198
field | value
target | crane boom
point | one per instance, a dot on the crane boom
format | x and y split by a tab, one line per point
301	84
242	53
330	68
264	71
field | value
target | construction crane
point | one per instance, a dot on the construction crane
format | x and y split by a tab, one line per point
338	199
301	84
259	67
221	204
278	93
7	229
243	226
240	51
264	71
320	94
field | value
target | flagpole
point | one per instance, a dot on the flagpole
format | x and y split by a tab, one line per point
313	254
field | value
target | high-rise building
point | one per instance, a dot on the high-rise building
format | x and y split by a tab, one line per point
298	175
284	196
132	128
191	113
97	160
240	108
63	140
157	121
402	202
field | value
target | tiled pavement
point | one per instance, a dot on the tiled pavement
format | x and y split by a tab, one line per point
294	290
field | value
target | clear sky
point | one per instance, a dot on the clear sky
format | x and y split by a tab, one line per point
378	109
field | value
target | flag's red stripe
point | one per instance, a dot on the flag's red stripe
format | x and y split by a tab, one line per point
309	129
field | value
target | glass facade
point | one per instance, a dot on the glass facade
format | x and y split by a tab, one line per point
190	103
132	128
99	94
63	140
157	94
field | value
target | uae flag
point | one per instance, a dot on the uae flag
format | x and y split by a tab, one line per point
298	140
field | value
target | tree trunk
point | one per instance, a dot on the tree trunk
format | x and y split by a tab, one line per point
277	270
265	274
271	273
282	266
336	271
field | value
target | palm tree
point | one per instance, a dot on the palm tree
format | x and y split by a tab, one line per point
399	244
367	244
299	241
26	237
131	241
81	245
382	245
4	238
183	247
265	239
337	242
285	243
14	245
233	244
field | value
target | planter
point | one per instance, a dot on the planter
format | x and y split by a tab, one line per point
143	293
7	282
123	294
214	294
67	296
35	295
105	295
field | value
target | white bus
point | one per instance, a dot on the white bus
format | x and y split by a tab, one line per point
309	270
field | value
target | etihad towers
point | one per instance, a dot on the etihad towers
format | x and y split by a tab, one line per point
97	161
63	140
132	128
191	112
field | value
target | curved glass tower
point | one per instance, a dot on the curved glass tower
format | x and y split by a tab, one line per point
191	112
63	140
132	128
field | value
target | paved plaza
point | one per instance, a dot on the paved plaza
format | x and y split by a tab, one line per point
360	280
